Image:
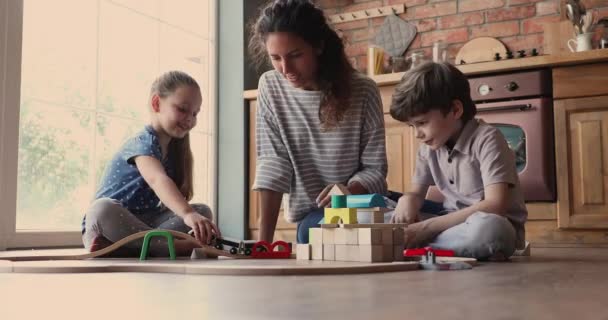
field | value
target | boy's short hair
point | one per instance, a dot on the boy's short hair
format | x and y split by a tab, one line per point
431	86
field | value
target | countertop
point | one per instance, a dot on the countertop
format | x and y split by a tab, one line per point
555	60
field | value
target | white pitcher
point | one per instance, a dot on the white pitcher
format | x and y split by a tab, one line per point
582	42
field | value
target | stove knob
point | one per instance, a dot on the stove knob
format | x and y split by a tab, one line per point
511	86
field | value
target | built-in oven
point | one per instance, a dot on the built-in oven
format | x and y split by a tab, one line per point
520	105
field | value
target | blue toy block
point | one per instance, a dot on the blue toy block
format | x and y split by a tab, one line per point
365	201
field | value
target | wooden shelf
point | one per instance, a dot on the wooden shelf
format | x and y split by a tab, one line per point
556	60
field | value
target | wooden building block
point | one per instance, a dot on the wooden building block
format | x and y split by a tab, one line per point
347	252
376	214
388	254
341	253
329	252
198	253
370	253
315	236
329	225
398	253
556	35
398	236
374	225
370	236
316	251
338	190
303	251
335	215
387	236
346	236
377	217
365	201
329	236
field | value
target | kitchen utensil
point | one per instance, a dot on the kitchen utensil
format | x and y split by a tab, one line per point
440	51
395	35
416	58
582	42
480	50
588	22
570	12
575	11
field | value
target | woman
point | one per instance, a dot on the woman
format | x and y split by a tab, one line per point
319	122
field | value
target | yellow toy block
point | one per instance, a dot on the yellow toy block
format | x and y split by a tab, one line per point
347	215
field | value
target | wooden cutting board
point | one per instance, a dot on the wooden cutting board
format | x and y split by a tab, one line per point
480	50
556	35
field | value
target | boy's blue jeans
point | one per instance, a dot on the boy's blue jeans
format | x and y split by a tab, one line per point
481	236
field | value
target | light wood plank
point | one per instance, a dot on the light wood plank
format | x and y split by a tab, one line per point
581	143
580	81
542	210
592	184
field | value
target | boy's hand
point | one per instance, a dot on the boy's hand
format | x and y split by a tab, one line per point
406	211
419	234
202	228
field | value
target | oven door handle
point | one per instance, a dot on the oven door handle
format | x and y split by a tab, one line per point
519	107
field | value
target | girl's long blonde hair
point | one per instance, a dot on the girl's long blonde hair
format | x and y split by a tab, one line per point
179	149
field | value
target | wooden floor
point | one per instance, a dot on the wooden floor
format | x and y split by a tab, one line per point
555	283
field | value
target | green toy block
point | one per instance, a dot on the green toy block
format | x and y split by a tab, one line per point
157	233
338	201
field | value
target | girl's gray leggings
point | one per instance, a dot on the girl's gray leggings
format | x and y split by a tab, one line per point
108	218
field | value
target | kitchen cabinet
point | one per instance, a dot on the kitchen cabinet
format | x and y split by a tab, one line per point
580	215
581	145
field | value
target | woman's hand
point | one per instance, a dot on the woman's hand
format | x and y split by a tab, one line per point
419	234
323	199
203	228
406	210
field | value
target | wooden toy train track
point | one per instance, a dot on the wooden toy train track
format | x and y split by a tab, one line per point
119	244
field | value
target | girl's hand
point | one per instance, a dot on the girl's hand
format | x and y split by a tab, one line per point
419	234
203	228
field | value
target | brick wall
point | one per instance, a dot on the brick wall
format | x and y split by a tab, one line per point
517	23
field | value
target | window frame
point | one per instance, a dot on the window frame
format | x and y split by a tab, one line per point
11	31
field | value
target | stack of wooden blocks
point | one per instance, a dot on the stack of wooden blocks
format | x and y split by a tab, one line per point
351	241
354	242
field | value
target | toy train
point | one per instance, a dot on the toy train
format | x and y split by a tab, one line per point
256	249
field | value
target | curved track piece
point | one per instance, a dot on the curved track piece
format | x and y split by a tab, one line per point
179	235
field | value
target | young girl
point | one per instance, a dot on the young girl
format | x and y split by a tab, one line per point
148	183
319	122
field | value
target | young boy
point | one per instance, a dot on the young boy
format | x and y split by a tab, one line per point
469	161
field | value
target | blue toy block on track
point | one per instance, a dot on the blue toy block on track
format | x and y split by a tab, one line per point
365	201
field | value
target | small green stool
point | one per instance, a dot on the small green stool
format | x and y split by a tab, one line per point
157	233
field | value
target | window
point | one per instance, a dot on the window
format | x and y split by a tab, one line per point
76	79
